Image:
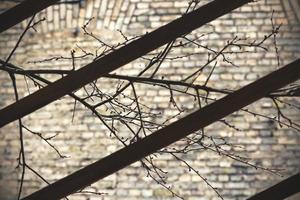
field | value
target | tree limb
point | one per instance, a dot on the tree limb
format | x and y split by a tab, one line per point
170	134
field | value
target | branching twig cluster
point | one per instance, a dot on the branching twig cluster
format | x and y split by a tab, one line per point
122	105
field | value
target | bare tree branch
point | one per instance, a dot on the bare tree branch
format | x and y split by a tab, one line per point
170	134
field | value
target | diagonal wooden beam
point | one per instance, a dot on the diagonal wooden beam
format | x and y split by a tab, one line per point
118	58
169	134
281	190
21	11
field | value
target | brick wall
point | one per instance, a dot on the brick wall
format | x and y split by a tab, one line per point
85	140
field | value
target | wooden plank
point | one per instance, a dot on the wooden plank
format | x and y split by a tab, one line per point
118	58
281	190
169	134
22	11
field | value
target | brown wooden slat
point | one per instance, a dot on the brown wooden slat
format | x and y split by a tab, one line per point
281	190
22	11
118	58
